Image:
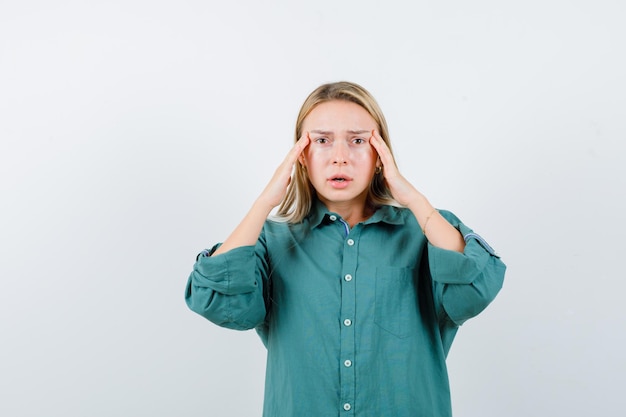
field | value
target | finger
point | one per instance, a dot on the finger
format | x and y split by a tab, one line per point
297	149
301	145
286	167
383	150
304	141
377	142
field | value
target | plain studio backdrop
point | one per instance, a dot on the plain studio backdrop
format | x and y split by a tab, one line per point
136	133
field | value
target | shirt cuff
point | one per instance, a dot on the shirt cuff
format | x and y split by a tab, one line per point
451	267
229	273
208	252
471	235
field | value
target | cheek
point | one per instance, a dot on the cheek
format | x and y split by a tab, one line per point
313	155
364	154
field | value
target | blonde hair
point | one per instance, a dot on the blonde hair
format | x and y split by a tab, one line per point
300	193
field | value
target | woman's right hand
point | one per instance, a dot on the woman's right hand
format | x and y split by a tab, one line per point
247	232
276	189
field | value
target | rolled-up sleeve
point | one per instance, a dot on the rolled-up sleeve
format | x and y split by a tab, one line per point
465	283
227	289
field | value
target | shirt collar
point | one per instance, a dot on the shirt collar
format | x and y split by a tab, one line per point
386	214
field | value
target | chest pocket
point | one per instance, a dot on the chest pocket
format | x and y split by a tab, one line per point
396	309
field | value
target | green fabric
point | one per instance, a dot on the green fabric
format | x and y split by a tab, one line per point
403	297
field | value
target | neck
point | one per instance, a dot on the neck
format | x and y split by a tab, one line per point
351	212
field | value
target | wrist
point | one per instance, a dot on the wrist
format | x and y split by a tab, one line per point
419	204
263	205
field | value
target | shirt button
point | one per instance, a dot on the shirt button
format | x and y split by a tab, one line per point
332	217
348	363
347	322
350	242
348	277
347	407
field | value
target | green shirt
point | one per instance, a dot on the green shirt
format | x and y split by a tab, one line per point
356	321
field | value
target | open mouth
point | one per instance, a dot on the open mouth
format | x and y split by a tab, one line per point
339	181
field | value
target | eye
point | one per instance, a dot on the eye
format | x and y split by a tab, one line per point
321	140
358	141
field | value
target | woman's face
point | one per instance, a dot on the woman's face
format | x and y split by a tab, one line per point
339	159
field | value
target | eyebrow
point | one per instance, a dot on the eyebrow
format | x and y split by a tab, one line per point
328	132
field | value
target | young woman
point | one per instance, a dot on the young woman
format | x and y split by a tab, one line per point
358	286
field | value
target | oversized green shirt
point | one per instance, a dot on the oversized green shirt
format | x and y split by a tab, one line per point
356	321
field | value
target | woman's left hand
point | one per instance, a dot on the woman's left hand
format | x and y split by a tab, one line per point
401	189
440	233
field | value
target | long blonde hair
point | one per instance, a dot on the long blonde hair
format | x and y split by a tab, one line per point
300	193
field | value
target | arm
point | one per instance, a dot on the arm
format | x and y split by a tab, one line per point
465	283
466	273
228	289
228	282
435	227
248	230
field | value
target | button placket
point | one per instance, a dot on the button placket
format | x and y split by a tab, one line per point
347	332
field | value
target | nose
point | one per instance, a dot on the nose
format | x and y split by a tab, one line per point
340	153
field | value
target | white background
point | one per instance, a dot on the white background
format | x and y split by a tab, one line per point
136	133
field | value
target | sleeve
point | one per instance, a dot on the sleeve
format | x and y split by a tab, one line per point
464	283
228	289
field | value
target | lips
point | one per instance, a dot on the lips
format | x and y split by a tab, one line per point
339	181
339	177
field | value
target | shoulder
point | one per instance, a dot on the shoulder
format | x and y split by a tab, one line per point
393	213
277	229
275	225
404	217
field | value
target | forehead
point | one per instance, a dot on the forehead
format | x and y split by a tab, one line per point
337	115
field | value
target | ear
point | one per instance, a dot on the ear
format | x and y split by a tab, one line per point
302	160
